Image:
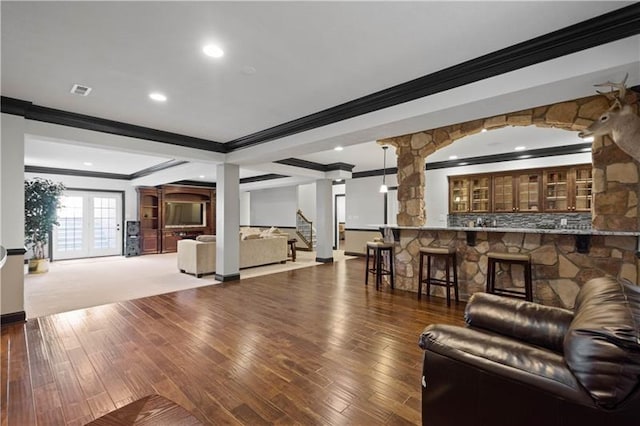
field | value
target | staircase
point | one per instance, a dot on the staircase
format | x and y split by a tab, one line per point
305	232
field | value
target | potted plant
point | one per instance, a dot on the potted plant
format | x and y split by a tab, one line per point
41	202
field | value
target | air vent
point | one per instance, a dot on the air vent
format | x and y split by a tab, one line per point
81	90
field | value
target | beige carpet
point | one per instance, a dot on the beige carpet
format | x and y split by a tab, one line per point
82	283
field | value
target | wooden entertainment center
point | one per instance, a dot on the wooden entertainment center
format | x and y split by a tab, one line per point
169	213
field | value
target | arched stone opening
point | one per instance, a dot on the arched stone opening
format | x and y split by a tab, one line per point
615	187
559	269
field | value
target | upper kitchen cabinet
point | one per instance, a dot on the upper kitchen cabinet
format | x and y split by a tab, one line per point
568	189
469	194
516	192
480	194
558	189
458	194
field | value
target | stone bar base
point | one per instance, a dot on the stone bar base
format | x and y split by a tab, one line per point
558	269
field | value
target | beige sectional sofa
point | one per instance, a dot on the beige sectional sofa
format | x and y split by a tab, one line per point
257	248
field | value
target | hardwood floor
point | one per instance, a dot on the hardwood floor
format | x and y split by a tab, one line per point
309	346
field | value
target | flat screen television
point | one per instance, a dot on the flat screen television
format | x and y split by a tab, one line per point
178	214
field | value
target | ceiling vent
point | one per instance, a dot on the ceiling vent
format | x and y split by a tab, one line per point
81	90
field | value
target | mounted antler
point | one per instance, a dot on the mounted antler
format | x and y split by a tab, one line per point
620	121
622	89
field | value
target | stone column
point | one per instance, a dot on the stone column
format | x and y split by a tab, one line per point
227	222
411	151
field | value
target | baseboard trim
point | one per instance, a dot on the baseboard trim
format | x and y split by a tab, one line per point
324	259
16	251
12	318
226	278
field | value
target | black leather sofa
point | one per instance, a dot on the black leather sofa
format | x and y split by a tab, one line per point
521	363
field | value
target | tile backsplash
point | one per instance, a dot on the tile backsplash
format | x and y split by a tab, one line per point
523	220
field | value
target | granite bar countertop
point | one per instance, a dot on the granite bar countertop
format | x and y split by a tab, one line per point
567	231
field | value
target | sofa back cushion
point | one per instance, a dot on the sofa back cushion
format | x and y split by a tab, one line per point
602	345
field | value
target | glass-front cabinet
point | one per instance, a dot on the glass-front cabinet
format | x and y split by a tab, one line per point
529	192
458	195
479	194
503	193
583	190
556	189
516	192
568	189
469	194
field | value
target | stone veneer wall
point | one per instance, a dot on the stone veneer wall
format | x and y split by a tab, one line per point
558	269
615	180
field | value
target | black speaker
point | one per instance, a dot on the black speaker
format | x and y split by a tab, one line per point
133	228
132	244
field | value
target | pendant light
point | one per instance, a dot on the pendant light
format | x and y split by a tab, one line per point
383	187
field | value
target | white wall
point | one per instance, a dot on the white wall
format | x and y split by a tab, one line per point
90	183
274	207
437	185
245	208
365	204
12	216
307	200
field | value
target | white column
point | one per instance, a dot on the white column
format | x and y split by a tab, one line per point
227	222
12	217
324	248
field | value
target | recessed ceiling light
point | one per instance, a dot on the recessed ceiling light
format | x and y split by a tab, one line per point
201	176
588	139
338	180
520	148
88	163
158	97
453	157
483	131
213	51
338	148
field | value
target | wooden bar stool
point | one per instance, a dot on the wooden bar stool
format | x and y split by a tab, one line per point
450	261
511	259
383	260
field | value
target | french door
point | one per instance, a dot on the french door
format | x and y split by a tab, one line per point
90	225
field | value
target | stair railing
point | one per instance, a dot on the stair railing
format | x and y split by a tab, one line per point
304	229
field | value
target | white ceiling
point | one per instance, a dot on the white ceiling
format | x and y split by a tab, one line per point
308	56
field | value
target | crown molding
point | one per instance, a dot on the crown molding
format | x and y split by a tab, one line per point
259	178
73	172
511	156
104	175
153	169
297	162
612	26
35	112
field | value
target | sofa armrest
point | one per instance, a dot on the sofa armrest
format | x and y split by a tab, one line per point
511	359
537	324
196	257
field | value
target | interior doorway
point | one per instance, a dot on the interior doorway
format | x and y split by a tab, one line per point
90	225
